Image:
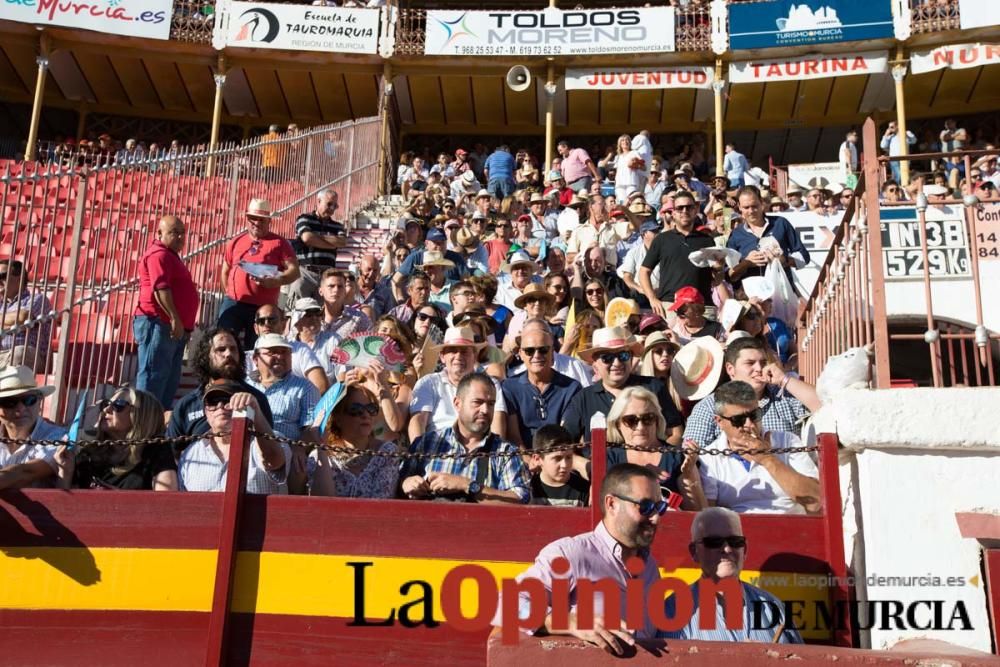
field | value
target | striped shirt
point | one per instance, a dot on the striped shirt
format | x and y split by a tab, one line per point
782	412
292	400
504	473
201	469
351	321
320	258
762	614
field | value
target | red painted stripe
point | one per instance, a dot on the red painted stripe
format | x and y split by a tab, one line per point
364	527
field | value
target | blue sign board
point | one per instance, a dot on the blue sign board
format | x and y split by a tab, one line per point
763	25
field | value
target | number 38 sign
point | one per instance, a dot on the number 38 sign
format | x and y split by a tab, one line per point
947	243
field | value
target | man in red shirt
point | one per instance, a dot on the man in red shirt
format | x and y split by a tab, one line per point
165	315
255	266
497	248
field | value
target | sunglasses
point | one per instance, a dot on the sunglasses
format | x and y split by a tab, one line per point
739	420
532	351
633	421
216	401
358	409
274	319
118	405
254	248
684	207
27	400
646	507
423	317
596	291
608	358
735	541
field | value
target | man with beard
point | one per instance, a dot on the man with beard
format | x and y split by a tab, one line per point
217	357
719	547
631	505
500	477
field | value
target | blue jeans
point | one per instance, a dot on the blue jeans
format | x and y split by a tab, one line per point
896	173
238	317
501	187
160	358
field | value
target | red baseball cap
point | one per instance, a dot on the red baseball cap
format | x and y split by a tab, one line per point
461	151
524	218
618	212
686	295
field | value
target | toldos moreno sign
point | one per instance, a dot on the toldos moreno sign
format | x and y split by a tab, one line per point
549	32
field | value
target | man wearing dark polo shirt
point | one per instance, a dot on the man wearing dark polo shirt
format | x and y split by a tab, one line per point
670	251
746	239
540	395
217	357
166	312
611	355
272	262
317	238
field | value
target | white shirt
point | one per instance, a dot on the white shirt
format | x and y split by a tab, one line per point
507	293
727	482
27	453
434	394
566	365
201	469
633	261
849	151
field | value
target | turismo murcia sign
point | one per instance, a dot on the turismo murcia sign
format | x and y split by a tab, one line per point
552	32
302	28
808	67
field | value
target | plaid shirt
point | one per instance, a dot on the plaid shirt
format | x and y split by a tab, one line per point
781	413
36	304
505	473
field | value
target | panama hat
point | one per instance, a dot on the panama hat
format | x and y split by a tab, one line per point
484	193
538	198
521	258
578	200
658	338
259	208
17	380
611	339
793	189
459	337
467	238
696	368
434	258
533	291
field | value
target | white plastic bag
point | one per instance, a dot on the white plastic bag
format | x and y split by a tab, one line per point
785	302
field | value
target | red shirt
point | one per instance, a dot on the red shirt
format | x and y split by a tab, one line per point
162	268
270	249
496	250
565	195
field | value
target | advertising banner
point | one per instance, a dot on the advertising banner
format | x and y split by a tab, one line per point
133	18
817	232
763	25
947	243
808	67
639	78
987	226
978	13
806	174
549	32
955	56
303	28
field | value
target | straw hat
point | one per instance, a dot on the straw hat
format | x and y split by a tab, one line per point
611	339
467	238
434	258
538	198
519	258
259	208
459	337
696	368
483	193
533	291
793	189
577	200
468	178
658	338
17	380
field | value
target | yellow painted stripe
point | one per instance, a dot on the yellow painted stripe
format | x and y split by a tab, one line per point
265	583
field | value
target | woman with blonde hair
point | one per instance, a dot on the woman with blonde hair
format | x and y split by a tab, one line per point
129	418
657	359
637	433
362	466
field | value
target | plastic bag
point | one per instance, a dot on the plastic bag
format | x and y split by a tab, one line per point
785	302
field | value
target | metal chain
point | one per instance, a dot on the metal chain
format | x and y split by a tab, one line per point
351	451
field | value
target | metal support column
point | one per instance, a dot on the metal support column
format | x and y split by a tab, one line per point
30	152
717	86
898	76
220	83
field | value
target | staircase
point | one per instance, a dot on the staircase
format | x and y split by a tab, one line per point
372	227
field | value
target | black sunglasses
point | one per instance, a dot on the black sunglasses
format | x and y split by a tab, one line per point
609	357
684	207
739	420
531	351
118	405
273	319
633	421
646	507
423	317
27	400
358	409
216	400
735	541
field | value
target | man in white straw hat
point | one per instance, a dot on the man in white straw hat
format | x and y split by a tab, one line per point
434	265
432	407
521	272
254	267
612	352
20	418
785	399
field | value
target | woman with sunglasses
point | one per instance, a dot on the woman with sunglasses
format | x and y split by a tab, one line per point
595	296
657	360
528	175
428	326
130	416
362	467
635	420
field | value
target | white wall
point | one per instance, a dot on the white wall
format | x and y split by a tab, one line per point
913	458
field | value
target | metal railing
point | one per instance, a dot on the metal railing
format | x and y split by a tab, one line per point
933	16
81	232
851	301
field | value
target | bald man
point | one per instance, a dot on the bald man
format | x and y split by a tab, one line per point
166	312
373	293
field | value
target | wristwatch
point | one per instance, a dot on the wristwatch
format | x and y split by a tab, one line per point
474	489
